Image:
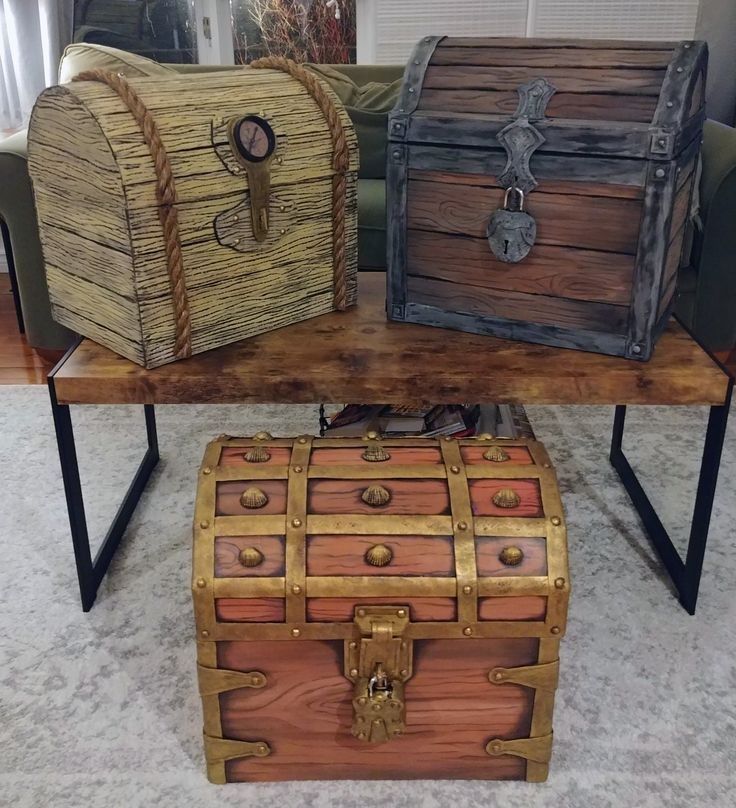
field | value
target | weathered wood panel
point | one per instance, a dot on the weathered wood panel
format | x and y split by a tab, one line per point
533	43
585	106
562	219
452	712
229	493
416	497
548	270
349	456
522	608
227	552
579	80
412	555
549	57
250	610
541	309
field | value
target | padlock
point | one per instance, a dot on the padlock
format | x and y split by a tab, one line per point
379	709
512	232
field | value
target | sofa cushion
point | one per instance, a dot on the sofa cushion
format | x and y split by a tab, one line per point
368	106
371	224
82	56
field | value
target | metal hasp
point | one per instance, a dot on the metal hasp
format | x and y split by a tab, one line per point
521	138
379	661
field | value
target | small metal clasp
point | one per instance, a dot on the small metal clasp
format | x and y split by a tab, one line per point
519	195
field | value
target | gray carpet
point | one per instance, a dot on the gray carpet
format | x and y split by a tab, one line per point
101	709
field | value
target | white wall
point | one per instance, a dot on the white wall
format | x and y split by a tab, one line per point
717	25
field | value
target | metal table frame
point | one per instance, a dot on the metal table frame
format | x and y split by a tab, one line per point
685	574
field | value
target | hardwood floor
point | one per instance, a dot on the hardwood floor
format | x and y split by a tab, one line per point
19	364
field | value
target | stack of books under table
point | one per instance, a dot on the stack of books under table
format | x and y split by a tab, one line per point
457	420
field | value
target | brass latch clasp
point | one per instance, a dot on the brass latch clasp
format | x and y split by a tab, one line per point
378	662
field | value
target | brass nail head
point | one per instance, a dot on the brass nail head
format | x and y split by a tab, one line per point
353	671
295	632
361	612
467	631
362	701
497	676
206	470
559	583
467	589
401	613
204	524
372	435
547	465
296	589
485	436
555	629
462	525
298	469
302	440
201	583
263	435
404	672
455	469
261	749
353	645
296	522
205	633
556	521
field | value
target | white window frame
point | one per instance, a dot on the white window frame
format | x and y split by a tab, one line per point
217	49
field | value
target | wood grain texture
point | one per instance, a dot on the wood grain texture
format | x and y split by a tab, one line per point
482	492
105	247
250	610
415	497
570	45
489	548
342	610
412	555
521	608
562	219
473	456
347	456
229	493
549	57
526	308
234	456
330	359
227	551
452	712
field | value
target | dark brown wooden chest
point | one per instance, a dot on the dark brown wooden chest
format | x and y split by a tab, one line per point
378	609
603	140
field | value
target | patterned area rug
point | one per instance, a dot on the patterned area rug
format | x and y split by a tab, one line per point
102	710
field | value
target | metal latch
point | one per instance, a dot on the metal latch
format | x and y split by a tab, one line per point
379	661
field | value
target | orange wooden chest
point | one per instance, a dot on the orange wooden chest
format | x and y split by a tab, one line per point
371	608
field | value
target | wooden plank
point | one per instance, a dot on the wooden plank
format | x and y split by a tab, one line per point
358	356
612	138
551	167
548	270
585	106
538	309
546	57
545	186
681	207
562	219
577	80
556	42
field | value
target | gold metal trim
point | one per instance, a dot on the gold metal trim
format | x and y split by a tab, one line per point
537	749
213	681
463	533
218	751
540	677
296	531
249	587
203	566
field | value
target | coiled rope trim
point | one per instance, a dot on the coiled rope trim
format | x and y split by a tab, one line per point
165	196
340	163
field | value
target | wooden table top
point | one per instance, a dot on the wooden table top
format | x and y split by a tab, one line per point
358	356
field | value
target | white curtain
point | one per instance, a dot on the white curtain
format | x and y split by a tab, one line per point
33	34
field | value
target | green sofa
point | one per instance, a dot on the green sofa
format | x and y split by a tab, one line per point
707	288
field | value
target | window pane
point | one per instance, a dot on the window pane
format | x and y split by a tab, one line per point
320	31
159	29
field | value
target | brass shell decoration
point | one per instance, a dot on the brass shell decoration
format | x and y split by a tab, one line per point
375	454
495	454
506	498
375	496
253	498
379	555
257	454
263	436
511	556
250	557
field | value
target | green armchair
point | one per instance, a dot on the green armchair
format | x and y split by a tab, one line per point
707	287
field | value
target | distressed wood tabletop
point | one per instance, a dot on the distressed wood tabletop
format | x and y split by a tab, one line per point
357	356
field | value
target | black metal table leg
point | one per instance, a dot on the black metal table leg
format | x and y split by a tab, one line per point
684	574
91	572
12	277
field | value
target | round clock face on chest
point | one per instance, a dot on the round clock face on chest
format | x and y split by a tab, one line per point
254	138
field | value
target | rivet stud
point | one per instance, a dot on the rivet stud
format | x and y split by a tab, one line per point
295	632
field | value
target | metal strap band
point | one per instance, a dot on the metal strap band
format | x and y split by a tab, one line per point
213	681
463	533
540	677
296	531
538	750
218	751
